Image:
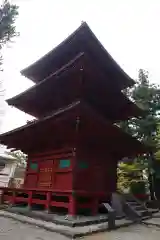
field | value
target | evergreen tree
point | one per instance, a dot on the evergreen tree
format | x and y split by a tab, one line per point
145	127
8	14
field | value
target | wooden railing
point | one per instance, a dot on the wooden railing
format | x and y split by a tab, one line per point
48	198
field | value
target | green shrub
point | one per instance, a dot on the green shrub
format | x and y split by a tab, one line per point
138	187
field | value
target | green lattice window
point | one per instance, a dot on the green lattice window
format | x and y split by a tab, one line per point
33	166
64	163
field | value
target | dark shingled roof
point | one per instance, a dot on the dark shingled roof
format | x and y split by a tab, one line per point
61	125
82	40
63	87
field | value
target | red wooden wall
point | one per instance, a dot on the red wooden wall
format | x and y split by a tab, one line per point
45	172
89	171
100	172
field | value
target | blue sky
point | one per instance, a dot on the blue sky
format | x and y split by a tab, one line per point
129	30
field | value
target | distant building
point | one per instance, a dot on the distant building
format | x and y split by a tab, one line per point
11	175
18	178
7	169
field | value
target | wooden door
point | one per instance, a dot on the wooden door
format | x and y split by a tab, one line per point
45	179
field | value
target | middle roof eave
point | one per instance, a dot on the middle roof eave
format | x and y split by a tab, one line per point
46	92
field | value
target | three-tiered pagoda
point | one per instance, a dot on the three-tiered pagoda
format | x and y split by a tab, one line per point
74	145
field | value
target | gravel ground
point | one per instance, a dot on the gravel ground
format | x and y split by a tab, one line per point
14	230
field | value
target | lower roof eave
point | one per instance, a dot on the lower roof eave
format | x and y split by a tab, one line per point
62	125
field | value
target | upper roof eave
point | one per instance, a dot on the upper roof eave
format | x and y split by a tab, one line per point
85	30
26	70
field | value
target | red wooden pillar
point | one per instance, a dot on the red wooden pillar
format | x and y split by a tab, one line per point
48	200
13	198
72	206
1	196
26	171
94	206
30	199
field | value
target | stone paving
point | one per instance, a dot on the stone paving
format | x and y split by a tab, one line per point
133	232
14	230
63	229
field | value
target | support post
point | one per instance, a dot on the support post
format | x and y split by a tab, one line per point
95	206
72	206
1	196
30	193
12	199
48	200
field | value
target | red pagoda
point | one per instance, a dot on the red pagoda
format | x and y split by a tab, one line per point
74	145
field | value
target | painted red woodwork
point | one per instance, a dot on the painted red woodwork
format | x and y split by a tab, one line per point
95	205
48	200
48	174
31	180
96	178
73	182
100	176
59	204
21	199
30	199
63	181
72	205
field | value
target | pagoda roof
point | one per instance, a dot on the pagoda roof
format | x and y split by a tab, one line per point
81	40
64	86
61	128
